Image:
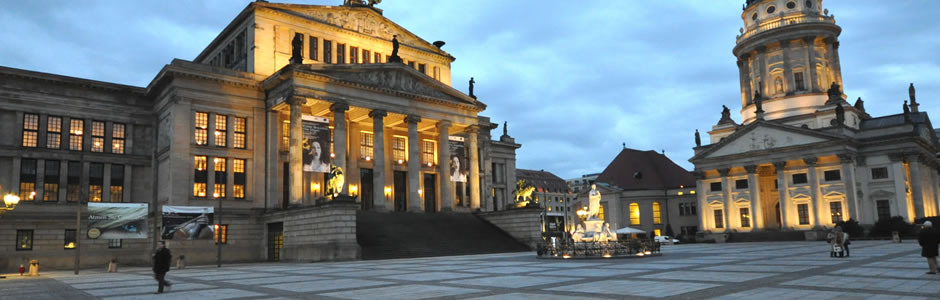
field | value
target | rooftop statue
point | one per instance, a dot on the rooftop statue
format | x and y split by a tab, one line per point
859	104
505	128
835	92
471	88
297	48
698	139
374	2
394	57
910	92
758	101
725	115
907	109
840	115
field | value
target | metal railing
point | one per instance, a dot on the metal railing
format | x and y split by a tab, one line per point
782	22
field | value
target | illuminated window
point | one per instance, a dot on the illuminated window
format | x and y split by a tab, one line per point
238	138
835	209
354	55
30	130
221	177
634	214
116	194
378	58
202	128
798	80
365	145
221	130
54	132
223	228
74	180
745	217
314	42
24	240
97	136
50	186
399	148
600	212
327	51
657	217
95	182
117	138
70	240
428	152
657	232
115	243
238	168
719	219
75	134
285	136
803	211
27	179
200	176
366	56
340	53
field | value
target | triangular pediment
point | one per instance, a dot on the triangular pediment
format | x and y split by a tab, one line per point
762	136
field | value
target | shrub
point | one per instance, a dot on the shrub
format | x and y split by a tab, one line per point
852	228
884	227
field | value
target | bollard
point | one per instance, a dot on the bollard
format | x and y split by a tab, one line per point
22	270
34	267
112	265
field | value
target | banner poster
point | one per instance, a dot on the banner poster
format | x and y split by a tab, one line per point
459	167
187	223
316	154
113	221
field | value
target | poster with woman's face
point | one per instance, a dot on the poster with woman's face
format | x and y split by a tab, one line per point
316	144
458	159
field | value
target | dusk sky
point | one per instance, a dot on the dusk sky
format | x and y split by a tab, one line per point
574	79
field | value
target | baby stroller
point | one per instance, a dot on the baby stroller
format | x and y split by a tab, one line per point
837	244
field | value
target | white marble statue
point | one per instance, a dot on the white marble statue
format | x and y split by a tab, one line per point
611	236
594	203
578	233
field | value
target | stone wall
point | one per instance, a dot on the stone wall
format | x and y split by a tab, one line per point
324	232
523	224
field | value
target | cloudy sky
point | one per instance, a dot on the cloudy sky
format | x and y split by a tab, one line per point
575	79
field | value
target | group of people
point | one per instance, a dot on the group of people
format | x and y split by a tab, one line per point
838	242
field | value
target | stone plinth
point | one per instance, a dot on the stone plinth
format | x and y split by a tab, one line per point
523	224
321	233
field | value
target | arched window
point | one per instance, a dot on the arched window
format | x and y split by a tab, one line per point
634	214
657	217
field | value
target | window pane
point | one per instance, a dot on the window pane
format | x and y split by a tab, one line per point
715	186
657	217
803	210
24	240
202	124
800	178
69	242
75	134
879	173
832	175
634	214
30	130
365	145
719	219
745	217
740	184
835	209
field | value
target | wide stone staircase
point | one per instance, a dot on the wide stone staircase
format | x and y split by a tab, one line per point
383	235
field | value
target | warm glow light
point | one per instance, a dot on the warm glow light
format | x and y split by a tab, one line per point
639	254
78	132
648	252
353	189
692	192
680	194
607	255
429	164
400	161
32	195
216	133
10	200
368	158
315	187
215	195
332	155
566	256
388	191
420	192
70	245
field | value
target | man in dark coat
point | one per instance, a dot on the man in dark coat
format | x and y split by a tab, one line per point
161	265
928	242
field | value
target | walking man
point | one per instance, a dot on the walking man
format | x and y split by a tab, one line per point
928	242
161	265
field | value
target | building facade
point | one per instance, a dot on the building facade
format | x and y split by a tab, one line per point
229	130
804	158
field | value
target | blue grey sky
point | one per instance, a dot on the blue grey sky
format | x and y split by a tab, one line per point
575	79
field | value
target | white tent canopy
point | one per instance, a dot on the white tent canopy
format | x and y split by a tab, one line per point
628	230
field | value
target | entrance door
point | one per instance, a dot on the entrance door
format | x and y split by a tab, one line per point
430	193
401	191
365	191
275	241
769	199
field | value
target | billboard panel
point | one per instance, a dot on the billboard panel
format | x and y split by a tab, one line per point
117	220
187	223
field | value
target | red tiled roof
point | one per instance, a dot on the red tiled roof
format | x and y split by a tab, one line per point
645	170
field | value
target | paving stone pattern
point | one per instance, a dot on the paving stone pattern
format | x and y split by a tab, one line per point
773	270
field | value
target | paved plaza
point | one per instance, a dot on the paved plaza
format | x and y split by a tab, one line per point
773	270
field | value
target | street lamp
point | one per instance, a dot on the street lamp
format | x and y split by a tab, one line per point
9	203
218	232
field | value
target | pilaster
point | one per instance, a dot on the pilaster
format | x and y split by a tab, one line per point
725	196
757	217
814	188
414	165
848	172
378	160
474	176
811	63
443	152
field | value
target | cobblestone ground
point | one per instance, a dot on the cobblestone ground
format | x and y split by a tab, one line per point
779	270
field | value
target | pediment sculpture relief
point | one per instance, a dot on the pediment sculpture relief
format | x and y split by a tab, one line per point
362	22
394	80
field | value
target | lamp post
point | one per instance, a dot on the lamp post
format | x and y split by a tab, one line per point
9	204
218	232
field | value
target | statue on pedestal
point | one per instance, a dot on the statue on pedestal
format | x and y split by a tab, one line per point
297	48
835	93
394	57
725	115
471	88
698	139
594	203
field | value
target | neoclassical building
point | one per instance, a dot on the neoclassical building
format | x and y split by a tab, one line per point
250	127
804	158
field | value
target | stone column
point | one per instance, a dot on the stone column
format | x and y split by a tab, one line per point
834	60
725	196
757	217
917	191
443	157
339	139
378	161
787	68
474	176
295	154
900	187
782	192
848	171
762	55
700	195
414	165
814	188
744	73
811	63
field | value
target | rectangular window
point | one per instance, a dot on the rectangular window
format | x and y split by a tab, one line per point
238	168
832	175
69	242
285	136
221	228
50	186
740	184
27	179
365	145
200	177
634	214
412	64
657	216
202	128
221	130
74	180
116	194
399	149
298	35
54	132
97	136
95	182
693	209
75	134
745	217
798	79
879	173
24	240
884	209
221	177
366	56
428	152
115	243
238	138
340	53
422	68
803	211
835	209
314	42
719	219
715	186
437	74
30	130
378	58
354	55
327	51
800	178
117	138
